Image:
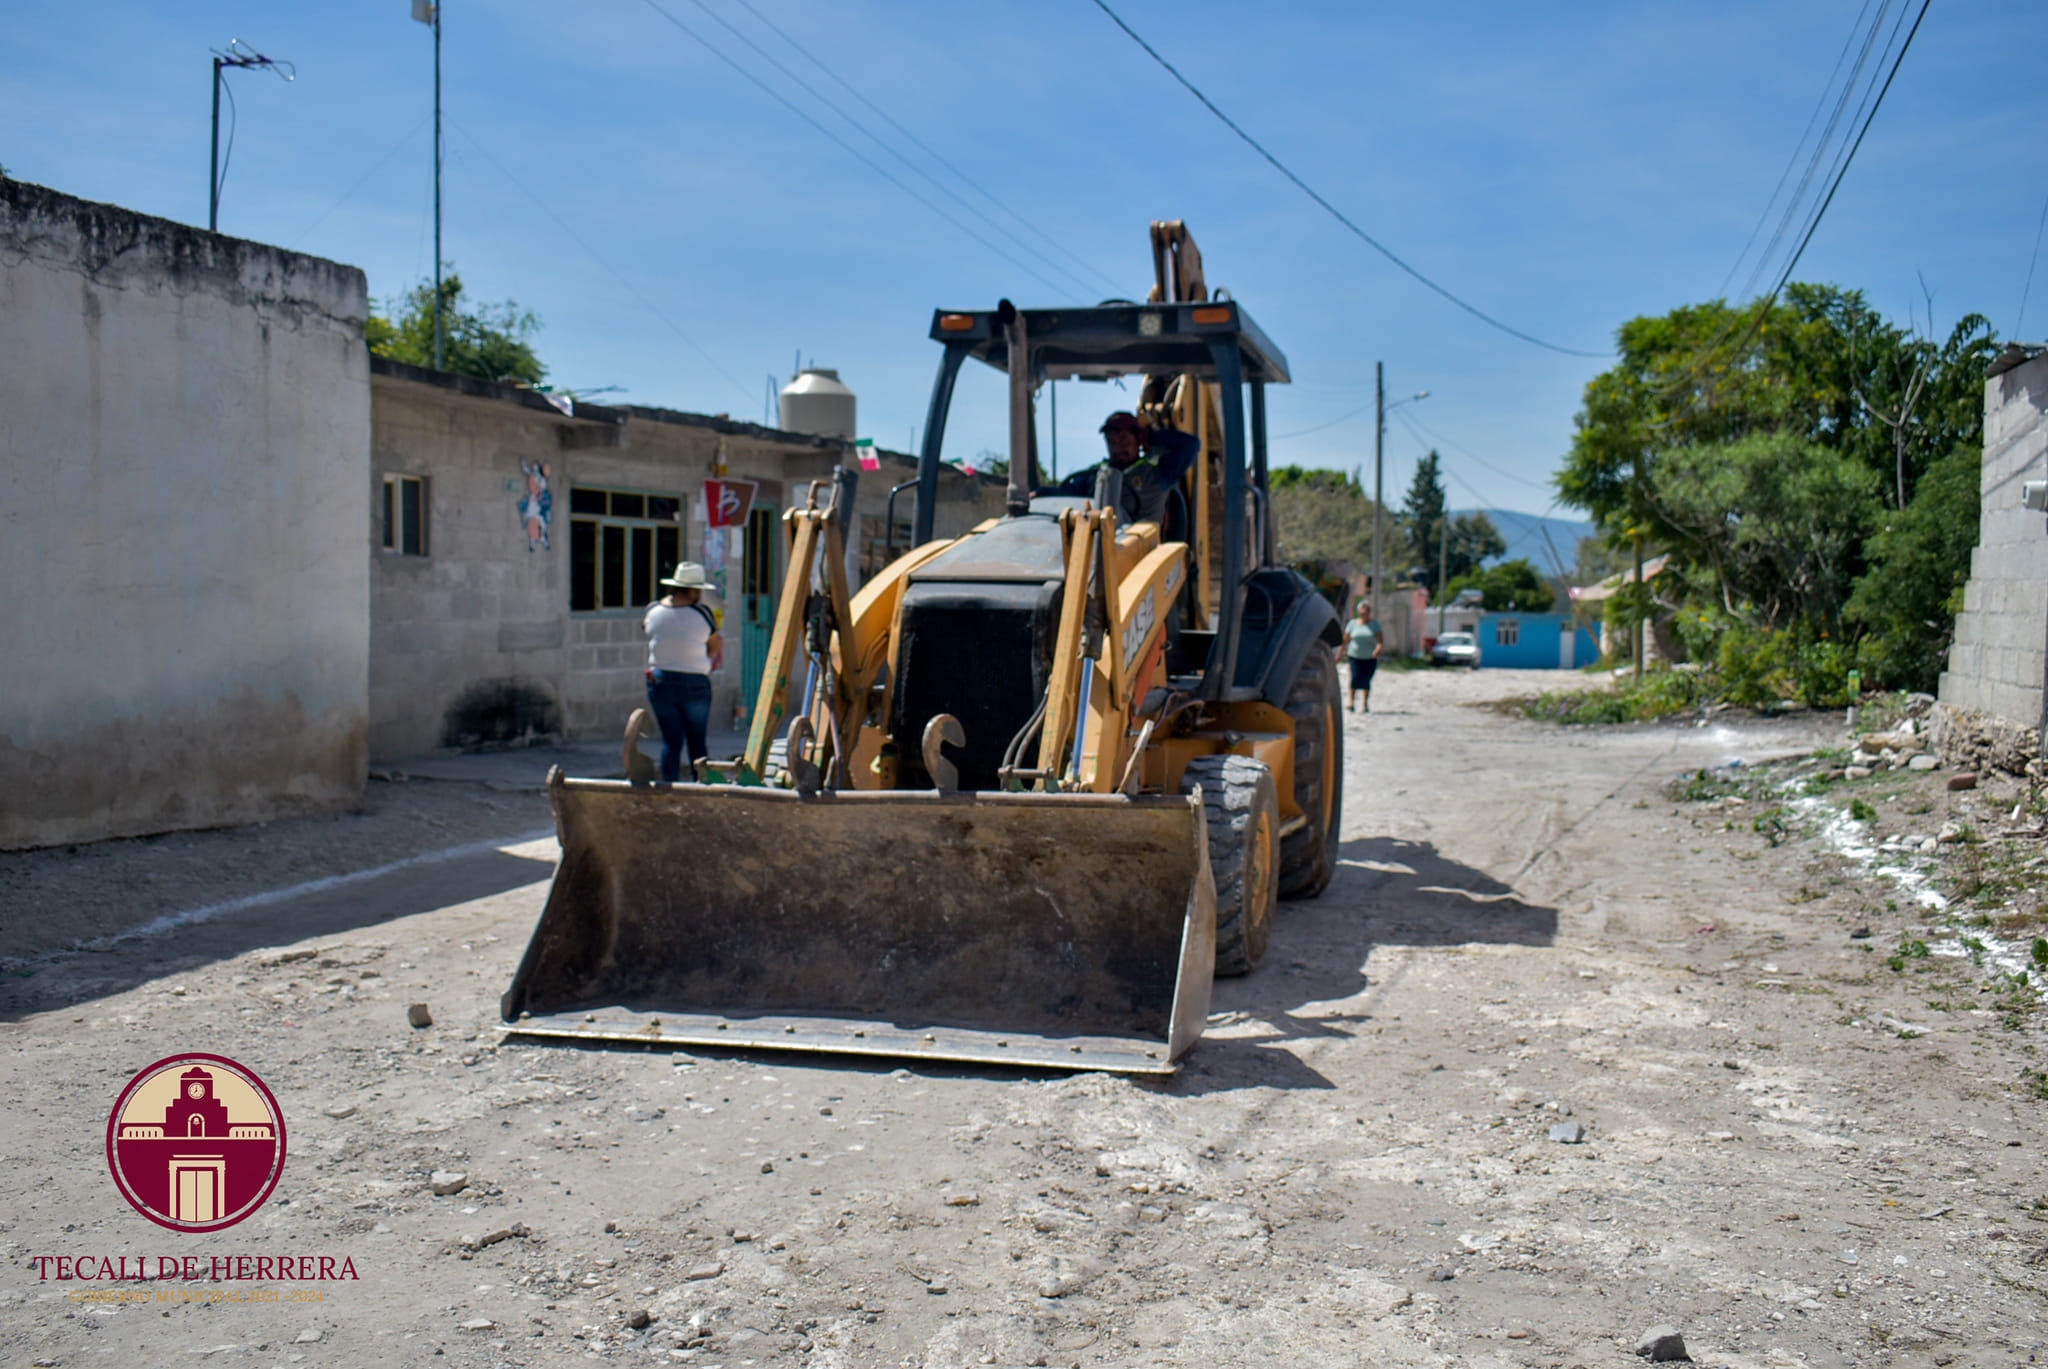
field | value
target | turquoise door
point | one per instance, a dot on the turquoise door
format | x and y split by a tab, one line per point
760	582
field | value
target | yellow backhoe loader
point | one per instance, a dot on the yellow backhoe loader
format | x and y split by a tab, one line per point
1022	794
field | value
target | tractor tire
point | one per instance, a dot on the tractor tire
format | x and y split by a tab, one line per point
1241	809
1308	857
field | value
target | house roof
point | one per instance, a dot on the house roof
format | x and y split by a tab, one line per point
1608	588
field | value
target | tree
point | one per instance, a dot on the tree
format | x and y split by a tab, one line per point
1776	453
1470	539
1422	516
1596	561
1321	517
1920	560
1511	587
1779	522
493	342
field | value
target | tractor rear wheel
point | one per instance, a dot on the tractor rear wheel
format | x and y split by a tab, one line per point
1308	856
1241	809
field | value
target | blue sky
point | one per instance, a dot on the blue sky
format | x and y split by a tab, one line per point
684	236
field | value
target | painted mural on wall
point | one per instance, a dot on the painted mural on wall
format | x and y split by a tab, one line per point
537	505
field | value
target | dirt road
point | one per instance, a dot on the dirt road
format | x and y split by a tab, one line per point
1556	1059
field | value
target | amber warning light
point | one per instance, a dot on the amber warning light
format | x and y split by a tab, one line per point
955	323
1213	314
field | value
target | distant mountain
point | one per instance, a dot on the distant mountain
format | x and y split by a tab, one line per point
1524	533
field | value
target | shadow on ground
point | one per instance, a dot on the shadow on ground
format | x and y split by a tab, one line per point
65	978
1386	892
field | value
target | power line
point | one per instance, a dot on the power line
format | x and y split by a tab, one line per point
1334	212
1868	108
1340	418
1793	160
847	147
1850	155
1426	434
1761	266
360	181
591	252
921	145
2028	288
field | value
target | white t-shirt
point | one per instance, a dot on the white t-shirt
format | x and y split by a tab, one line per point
679	639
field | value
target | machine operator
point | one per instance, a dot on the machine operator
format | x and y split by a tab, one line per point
1152	461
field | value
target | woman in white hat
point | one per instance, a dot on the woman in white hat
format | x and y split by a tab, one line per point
683	648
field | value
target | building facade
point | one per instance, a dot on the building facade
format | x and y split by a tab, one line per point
1992	699
185	436
515	542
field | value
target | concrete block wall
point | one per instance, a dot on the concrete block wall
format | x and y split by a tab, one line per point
184	435
1997	664
475	641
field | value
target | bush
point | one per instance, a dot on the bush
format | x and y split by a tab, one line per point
1756	666
1919	562
1822	672
1659	694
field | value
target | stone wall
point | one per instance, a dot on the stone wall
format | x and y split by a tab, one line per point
1991	692
184	434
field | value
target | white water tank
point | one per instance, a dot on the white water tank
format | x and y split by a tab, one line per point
817	403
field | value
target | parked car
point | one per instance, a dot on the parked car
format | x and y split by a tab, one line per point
1455	648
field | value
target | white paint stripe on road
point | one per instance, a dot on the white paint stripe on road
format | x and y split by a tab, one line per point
172	921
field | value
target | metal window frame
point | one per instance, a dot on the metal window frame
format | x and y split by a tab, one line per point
391	513
600	521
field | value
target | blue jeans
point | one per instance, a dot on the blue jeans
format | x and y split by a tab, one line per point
682	705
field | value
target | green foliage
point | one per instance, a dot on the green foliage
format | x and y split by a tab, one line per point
1806	466
1595	561
1659	694
1322	517
491	342
1472	538
1422	517
1861	811
1773	522
1755	666
1774	825
1920	559
1510	587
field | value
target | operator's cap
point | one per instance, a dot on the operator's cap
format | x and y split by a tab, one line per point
1122	418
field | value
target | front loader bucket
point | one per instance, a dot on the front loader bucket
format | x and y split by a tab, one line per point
1067	930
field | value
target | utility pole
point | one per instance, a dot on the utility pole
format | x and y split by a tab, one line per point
1379	475
238	54
1642	611
439	328
428	12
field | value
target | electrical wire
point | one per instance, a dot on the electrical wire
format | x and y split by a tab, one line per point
1340	418
2028	288
922	146
1793	160
1867	108
592	253
1429	436
1819	156
361	181
1332	209
1849	155
847	147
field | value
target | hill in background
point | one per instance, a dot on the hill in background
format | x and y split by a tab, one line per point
1524	533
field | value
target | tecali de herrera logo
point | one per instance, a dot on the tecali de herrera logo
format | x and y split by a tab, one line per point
196	1142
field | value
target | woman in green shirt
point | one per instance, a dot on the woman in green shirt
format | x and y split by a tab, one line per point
1362	648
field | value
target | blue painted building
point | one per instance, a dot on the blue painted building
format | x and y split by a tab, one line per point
1534	641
